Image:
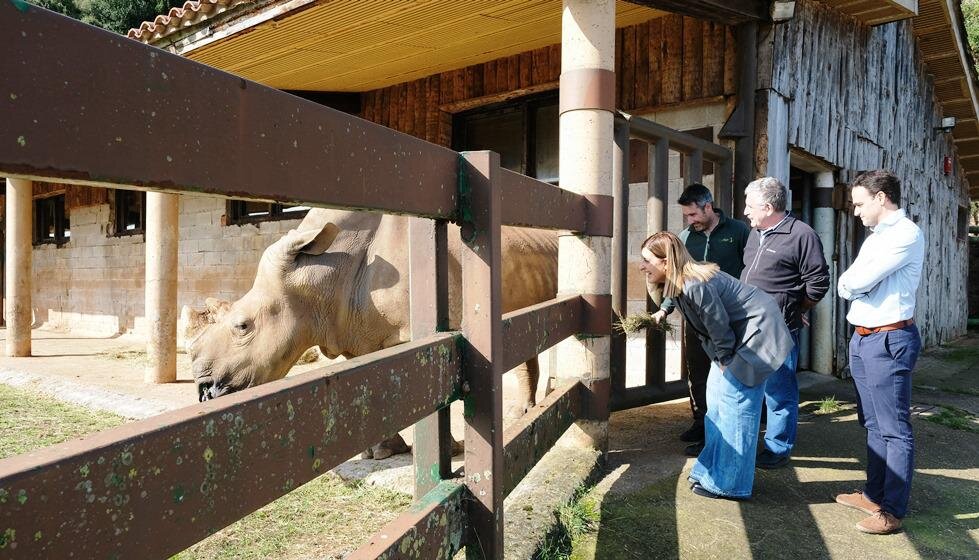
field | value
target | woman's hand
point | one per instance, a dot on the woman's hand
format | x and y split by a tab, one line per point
658	317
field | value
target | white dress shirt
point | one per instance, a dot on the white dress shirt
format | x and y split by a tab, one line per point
882	281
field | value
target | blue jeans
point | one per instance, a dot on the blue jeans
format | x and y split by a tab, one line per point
782	402
881	366
726	466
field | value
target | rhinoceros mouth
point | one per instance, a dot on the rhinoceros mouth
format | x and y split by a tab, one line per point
207	389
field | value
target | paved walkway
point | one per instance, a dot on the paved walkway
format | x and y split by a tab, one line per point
647	510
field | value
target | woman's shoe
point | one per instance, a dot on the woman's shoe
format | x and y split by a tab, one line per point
699	490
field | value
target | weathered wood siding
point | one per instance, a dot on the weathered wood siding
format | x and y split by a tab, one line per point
861	98
668	61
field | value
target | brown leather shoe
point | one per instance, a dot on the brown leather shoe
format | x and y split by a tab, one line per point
880	523
857	500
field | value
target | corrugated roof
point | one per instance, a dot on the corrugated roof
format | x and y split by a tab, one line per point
190	14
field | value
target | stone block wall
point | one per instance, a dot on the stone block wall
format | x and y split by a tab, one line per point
94	283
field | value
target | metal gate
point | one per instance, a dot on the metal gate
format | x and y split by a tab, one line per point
659	141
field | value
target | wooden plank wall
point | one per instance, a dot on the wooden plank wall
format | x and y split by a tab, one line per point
76	196
668	61
861	98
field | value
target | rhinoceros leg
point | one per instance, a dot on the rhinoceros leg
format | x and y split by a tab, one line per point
527	375
386	448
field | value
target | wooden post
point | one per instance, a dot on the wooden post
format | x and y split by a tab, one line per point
482	326
162	211
656	220
620	251
428	281
18	267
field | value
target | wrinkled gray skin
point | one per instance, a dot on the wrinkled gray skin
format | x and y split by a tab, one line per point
339	281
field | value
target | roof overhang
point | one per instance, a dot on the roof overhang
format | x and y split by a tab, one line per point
357	45
875	12
942	39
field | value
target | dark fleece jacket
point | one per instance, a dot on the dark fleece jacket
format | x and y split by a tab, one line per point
789	265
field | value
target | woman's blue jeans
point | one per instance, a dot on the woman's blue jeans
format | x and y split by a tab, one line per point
726	466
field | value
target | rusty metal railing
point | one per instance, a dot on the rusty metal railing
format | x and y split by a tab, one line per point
85	106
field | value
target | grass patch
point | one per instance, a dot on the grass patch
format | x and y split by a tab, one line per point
326	518
972	323
29	421
829	405
954	418
574	521
139	357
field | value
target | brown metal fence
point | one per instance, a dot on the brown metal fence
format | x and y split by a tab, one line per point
85	106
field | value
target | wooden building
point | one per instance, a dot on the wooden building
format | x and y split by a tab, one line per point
811	92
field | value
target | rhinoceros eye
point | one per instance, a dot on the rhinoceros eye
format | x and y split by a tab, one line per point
242	327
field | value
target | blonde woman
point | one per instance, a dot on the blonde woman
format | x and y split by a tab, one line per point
745	337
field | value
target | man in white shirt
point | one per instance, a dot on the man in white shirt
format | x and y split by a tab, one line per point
881	285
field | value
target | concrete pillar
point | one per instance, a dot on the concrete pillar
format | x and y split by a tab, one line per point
586	144
18	268
161	286
824	222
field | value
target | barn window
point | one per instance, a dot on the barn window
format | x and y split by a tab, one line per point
51	223
524	133
130	212
246	211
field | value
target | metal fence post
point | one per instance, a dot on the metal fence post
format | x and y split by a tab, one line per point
481	214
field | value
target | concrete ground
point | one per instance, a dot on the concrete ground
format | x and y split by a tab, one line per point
647	510
645	506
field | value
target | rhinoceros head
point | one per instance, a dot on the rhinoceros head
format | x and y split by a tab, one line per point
256	339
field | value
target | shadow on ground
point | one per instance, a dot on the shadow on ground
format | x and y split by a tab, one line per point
648	511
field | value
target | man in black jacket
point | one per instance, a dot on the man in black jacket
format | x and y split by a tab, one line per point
709	236
783	257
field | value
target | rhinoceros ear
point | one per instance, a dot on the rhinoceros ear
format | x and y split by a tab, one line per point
314	241
216	309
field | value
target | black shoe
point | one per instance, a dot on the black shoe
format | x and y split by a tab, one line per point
705	493
694	449
768	460
694	433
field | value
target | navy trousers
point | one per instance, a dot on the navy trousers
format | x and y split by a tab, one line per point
881	366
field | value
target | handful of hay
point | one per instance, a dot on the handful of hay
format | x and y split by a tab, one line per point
640	321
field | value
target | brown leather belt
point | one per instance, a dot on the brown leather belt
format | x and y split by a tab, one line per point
864	331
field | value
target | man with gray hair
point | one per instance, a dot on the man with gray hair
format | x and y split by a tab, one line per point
783	257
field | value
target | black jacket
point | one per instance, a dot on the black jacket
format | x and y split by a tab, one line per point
789	265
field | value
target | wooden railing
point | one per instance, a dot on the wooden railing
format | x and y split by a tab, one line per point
84	106
659	141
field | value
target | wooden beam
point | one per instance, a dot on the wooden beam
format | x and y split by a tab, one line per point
723	11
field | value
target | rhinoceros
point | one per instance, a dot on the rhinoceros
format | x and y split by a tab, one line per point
339	281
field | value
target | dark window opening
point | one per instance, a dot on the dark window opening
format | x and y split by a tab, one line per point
963	225
51	224
524	133
246	211
705	133
130	212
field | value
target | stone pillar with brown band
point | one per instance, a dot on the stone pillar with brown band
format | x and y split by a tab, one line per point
18	267
587	102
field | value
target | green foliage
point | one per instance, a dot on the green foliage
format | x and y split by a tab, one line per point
829	405
115	15
579	518
954	418
66	7
970	15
